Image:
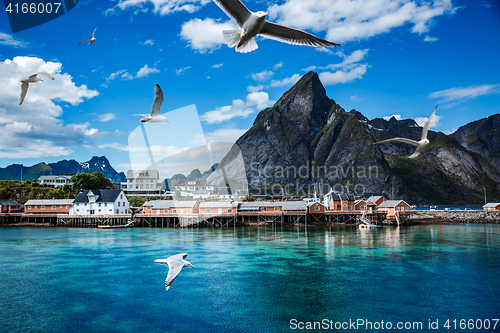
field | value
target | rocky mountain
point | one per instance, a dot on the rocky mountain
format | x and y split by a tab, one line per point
482	137
306	138
100	164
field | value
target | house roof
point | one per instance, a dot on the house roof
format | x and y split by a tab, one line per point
9	203
103	195
132	174
294	205
185	204
159	204
374	198
54	177
49	202
491	205
185	182
249	204
340	196
218	204
391	203
358	201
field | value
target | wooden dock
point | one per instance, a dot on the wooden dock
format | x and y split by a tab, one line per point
196	220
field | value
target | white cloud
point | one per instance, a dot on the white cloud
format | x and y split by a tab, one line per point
164	7
346	71
278	65
6	39
255	101
434	123
217	66
448	132
145	71
149	42
181	71
352	20
462	94
355	98
227	134
255	88
125	75
262	76
205	35
33	129
289	81
106	117
430	39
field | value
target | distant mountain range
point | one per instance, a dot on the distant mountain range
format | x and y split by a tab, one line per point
306	138
13	172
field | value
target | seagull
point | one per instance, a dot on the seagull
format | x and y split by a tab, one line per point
252	24
26	82
422	144
155	116
175	264
89	40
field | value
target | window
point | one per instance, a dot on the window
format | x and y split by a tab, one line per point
117	211
362	207
76	204
350	207
174	211
182	211
105	204
121	196
99	204
230	210
85	204
66	206
276	209
60	206
118	203
219	210
264	209
207	210
316	208
42	207
165	211
29	207
53	207
189	211
35	206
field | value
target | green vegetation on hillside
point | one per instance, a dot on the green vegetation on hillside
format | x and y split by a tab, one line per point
24	191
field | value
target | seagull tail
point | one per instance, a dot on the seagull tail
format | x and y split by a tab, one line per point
248	46
232	37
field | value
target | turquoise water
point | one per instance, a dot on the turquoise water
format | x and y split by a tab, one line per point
248	279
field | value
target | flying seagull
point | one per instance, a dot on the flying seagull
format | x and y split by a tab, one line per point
89	40
26	82
422	144
175	264
155	116
252	24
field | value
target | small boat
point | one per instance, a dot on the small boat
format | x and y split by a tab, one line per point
130	224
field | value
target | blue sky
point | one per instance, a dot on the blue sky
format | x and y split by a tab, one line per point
397	58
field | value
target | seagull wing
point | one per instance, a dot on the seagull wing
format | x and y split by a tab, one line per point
24	90
235	10
155	109
175	264
292	36
47	75
93	33
87	40
428	123
405	140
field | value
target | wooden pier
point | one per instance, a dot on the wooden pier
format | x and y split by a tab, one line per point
197	220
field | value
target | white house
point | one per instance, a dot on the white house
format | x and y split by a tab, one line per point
55	181
100	202
143	183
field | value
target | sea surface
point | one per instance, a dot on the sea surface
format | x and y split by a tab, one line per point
251	279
